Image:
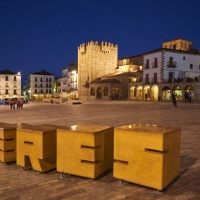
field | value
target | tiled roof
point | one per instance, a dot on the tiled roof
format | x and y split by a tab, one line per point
7	71
42	72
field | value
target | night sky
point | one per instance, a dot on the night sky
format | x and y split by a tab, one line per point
45	34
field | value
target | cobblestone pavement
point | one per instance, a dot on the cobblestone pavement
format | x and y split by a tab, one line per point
16	183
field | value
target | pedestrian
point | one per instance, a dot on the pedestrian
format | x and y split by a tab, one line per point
18	105
174	103
186	96
190	97
146	96
21	104
11	104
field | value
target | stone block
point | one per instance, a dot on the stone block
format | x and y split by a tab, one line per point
36	147
85	150
7	142
146	154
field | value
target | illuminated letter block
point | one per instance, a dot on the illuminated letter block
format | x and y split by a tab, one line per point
148	155
85	150
36	147
7	142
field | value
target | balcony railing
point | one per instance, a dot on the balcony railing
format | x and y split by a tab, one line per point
151	80
179	80
171	64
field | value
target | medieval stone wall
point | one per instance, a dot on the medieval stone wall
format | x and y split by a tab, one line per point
94	60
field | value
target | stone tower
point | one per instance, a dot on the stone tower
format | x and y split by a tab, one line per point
94	60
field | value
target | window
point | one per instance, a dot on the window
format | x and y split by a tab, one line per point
35	79
49	90
6	91
35	84
191	66
15	92
49	79
50	85
46	90
6	78
46	84
199	67
155	62
46	79
41	91
147	64
15	79
105	91
41	85
183	57
35	91
155	77
92	92
41	79
147	78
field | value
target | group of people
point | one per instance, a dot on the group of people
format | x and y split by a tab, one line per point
17	104
187	97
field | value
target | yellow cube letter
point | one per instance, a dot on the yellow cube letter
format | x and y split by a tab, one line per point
36	147
7	142
85	150
148	155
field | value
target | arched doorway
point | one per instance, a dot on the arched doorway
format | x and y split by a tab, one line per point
154	92
178	91
99	93
105	91
166	93
115	93
191	89
92	92
147	91
139	93
132	94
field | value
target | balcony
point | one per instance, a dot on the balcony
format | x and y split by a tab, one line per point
151	80
171	64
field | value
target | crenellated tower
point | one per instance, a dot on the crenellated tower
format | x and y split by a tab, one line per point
94	60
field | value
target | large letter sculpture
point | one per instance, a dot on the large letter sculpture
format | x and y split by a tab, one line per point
85	150
7	142
36	147
148	155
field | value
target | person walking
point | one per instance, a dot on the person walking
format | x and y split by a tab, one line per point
174	103
146	96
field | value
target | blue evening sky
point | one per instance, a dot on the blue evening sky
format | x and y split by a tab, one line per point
45	34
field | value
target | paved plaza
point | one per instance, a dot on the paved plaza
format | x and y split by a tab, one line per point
16	183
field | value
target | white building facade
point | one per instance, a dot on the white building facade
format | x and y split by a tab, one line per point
40	85
69	82
168	70
10	85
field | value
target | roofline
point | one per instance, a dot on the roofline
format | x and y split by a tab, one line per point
172	50
177	39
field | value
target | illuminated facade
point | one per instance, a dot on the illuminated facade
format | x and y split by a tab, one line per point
40	84
10	84
94	61
166	70
68	84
